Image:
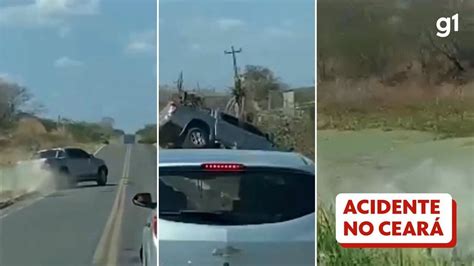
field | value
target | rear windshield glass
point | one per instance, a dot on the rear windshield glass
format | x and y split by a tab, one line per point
251	197
45	154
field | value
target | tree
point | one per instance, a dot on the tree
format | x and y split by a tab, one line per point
107	122
13	98
259	85
147	134
260	82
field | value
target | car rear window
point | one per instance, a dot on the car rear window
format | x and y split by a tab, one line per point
45	154
240	198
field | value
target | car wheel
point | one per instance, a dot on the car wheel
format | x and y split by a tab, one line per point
196	138
102	177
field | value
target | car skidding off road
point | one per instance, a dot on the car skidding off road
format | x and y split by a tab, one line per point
195	127
232	207
72	165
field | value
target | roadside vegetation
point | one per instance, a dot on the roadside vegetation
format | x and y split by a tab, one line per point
380	66
386	69
147	135
23	130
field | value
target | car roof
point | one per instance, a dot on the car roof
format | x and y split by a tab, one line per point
59	149
250	158
52	149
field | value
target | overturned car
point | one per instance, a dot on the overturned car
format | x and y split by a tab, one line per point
184	126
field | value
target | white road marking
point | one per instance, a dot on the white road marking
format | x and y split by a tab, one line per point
126	163
99	149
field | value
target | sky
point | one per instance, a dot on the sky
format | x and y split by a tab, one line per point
83	59
88	59
278	34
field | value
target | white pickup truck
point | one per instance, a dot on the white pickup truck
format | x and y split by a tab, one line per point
73	165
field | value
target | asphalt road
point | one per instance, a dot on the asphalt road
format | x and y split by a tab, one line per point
87	225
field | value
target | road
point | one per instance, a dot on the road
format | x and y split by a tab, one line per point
87	225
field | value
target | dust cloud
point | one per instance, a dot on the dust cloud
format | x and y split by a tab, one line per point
26	177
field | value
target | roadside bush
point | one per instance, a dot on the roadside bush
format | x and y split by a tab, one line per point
291	131
86	132
147	134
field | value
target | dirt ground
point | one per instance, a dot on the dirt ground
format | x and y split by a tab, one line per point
399	161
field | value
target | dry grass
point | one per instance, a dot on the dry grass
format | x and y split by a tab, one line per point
29	136
291	131
351	105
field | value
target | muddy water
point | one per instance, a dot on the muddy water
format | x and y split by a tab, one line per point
399	161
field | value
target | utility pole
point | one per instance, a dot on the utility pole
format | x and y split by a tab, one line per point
179	82
233	52
239	93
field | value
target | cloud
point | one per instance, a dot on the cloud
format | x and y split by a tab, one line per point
195	47
68	7
5	76
63	31
278	32
66	62
287	23
46	13
229	23
142	42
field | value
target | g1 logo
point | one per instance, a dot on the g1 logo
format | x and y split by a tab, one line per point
444	25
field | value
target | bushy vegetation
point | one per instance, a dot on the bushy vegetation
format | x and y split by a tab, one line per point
372	105
294	131
366	38
380	65
147	134
23	129
88	132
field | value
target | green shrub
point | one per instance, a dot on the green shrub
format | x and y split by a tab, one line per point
147	134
